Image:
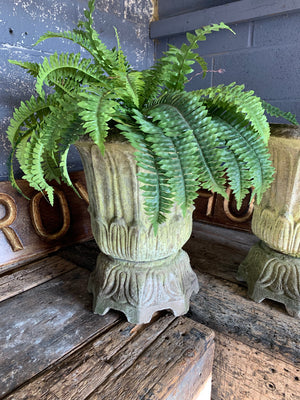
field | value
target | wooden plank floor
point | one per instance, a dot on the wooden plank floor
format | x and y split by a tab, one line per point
257	355
53	347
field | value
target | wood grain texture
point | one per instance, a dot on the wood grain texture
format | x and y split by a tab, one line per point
224	307
257	355
123	363
242	372
44	324
33	275
217	250
30	230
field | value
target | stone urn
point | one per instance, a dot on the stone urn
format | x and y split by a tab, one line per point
272	266
138	272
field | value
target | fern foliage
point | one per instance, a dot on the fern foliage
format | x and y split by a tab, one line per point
276	112
183	140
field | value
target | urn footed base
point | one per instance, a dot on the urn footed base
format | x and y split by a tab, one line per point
272	275
139	289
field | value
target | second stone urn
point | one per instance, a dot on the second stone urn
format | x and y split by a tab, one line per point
138	272
272	267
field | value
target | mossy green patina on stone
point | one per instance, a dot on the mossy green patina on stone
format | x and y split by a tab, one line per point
272	275
272	267
138	271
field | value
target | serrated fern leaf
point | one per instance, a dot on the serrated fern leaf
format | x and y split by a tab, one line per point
178	61
156	189
122	63
106	58
182	114
31	68
18	145
33	157
153	82
244	101
130	87
246	144
176	157
238	175
50	166
97	109
65	64
276	112
26	116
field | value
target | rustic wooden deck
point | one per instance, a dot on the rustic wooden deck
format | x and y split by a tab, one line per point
53	347
257	353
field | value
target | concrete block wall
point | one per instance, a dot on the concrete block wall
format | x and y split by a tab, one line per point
264	55
23	21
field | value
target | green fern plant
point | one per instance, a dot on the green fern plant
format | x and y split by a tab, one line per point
183	140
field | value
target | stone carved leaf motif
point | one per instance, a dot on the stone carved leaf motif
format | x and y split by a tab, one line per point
127	283
281	278
281	232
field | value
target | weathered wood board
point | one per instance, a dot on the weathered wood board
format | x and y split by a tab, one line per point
44	324
53	347
27	277
257	355
31	229
122	364
243	372
213	208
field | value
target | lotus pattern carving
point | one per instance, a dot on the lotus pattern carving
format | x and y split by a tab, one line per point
276	220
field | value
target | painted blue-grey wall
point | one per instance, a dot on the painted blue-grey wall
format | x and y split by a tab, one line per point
264	55
21	24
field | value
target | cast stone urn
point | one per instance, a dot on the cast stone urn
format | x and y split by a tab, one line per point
272	267
137	272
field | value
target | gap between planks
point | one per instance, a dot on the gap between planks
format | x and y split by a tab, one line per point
102	365
224	307
32	275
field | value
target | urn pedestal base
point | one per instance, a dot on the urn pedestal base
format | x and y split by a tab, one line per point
139	289
272	275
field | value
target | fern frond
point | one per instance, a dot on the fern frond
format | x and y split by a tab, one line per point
50	166
89	40
182	116
108	59
276	112
248	146
70	65
175	150
18	146
244	101
31	166
27	116
122	63
130	88
156	189
97	107
31	68
153	79
178	61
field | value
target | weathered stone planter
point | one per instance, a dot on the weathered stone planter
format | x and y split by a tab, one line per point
137	271
272	267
